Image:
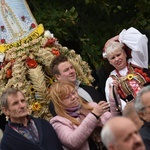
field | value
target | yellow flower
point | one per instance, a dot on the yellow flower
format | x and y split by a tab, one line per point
130	76
36	106
31	90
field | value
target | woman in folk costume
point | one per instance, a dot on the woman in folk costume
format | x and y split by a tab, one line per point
130	73
78	123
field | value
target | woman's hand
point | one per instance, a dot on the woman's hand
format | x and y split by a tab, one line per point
115	83
115	38
101	108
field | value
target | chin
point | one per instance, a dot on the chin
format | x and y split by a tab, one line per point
73	80
23	114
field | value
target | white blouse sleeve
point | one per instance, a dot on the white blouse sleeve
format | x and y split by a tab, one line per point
109	82
138	43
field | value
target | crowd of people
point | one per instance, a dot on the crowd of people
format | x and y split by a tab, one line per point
83	117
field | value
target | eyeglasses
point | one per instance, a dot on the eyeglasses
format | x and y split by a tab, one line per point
69	96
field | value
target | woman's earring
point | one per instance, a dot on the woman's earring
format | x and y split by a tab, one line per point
7	118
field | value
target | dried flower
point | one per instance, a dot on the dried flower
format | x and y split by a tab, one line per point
9	73
55	52
48	34
36	106
31	63
50	42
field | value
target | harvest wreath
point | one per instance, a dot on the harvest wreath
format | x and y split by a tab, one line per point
26	67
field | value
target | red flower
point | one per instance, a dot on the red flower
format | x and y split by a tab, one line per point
33	26
55	52
12	61
23	18
2	28
31	63
3	64
3	41
9	73
50	42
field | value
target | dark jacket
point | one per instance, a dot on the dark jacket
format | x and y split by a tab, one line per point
2	121
95	95
145	134
12	140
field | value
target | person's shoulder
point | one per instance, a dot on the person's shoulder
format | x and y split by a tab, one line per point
87	86
41	120
60	119
113	72
90	89
145	129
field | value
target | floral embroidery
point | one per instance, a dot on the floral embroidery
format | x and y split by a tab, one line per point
130	76
2	28
23	18
32	26
3	41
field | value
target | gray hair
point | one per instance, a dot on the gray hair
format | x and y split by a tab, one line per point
139	107
5	94
112	47
107	136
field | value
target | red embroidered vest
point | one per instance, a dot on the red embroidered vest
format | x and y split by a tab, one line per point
131	83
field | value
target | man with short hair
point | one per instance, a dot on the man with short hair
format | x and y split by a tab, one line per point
142	107
120	133
24	132
129	111
63	69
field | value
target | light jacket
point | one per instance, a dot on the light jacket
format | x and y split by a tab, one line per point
76	137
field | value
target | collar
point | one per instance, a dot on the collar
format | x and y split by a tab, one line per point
73	112
78	83
146	123
16	125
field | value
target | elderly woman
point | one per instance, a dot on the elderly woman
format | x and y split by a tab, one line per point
78	123
129	74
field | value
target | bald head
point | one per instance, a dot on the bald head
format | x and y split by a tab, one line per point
121	133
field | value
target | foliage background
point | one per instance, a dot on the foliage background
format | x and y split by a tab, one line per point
85	25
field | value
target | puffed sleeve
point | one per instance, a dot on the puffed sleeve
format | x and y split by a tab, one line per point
138	43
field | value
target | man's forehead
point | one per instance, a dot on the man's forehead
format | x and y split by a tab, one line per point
125	129
64	65
14	95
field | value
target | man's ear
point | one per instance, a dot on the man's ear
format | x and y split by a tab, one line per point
57	76
141	115
111	147
5	111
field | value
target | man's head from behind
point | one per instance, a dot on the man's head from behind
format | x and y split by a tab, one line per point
130	112
142	103
62	69
120	133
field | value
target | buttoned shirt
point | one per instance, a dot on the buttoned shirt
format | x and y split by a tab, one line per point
30	131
